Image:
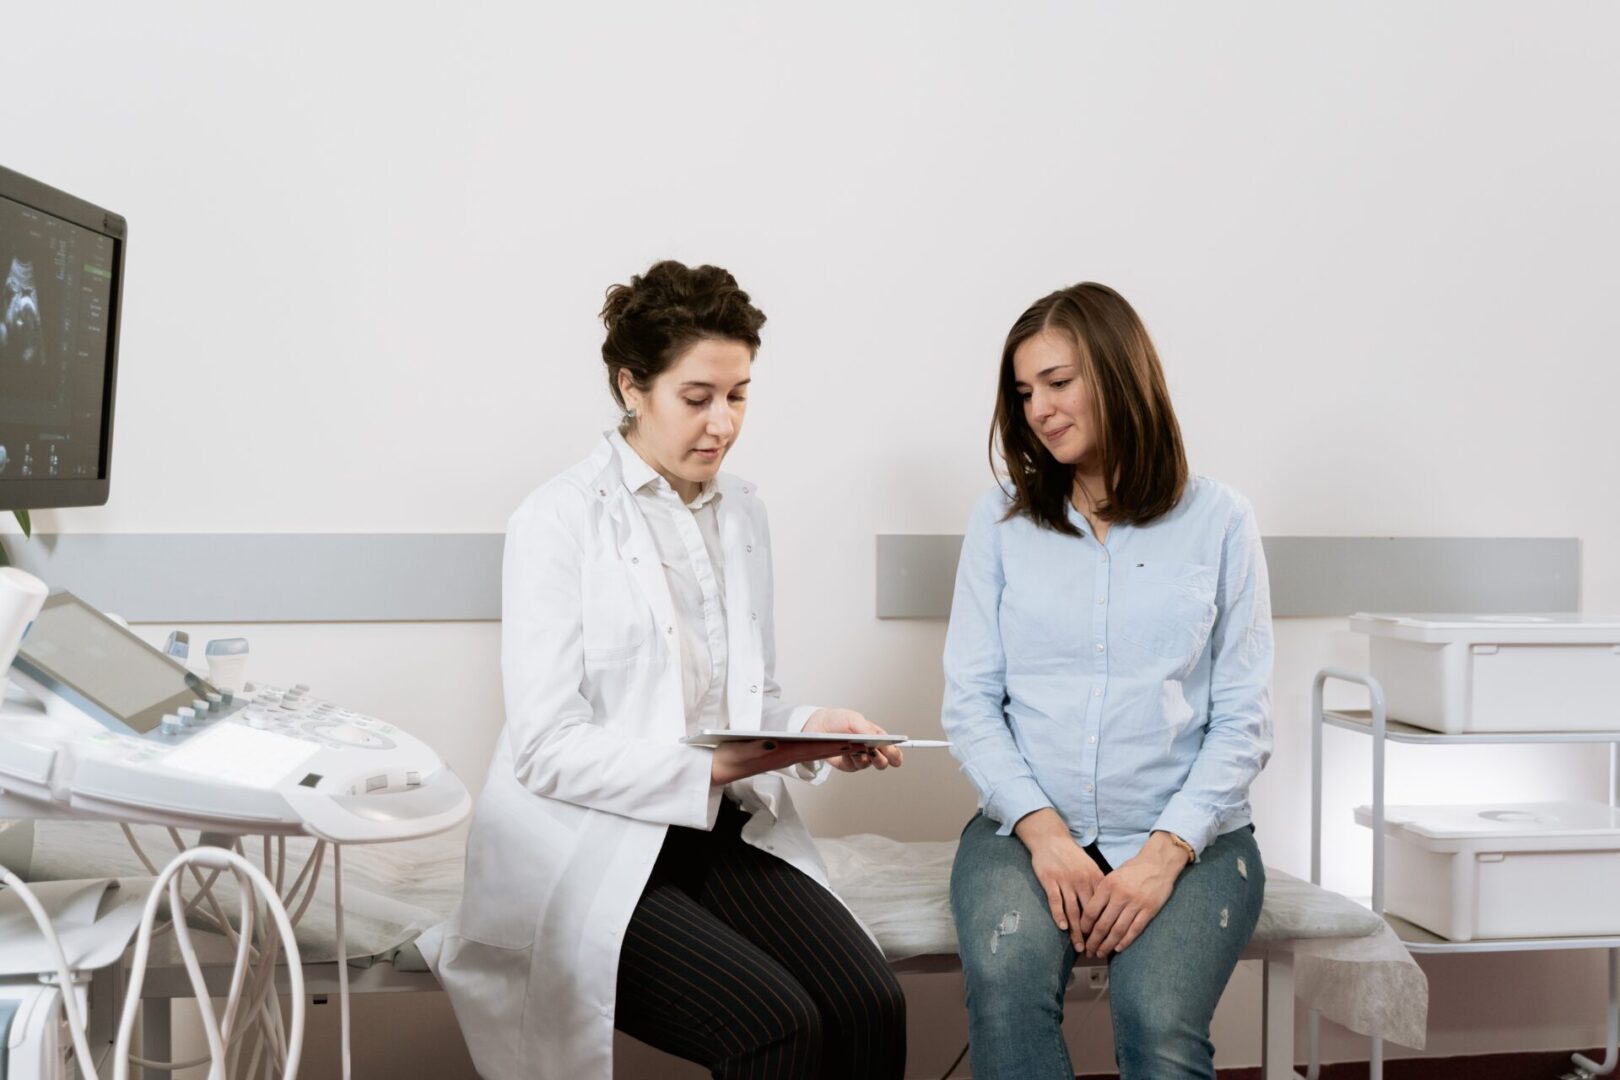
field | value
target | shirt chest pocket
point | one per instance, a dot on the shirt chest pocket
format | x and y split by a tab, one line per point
616	623
1170	609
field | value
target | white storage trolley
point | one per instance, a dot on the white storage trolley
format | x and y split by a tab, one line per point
1470	875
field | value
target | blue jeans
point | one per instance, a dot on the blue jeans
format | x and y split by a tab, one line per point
1162	990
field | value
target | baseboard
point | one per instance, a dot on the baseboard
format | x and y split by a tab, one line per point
1540	1065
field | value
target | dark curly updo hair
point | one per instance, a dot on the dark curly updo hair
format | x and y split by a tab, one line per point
660	314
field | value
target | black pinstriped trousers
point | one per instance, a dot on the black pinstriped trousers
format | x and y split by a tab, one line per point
738	961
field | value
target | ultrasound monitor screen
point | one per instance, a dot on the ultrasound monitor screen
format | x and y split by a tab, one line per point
56	307
75	649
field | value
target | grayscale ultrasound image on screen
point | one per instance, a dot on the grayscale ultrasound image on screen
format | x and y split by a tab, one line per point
55	308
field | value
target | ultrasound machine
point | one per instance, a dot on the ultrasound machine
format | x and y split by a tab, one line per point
99	725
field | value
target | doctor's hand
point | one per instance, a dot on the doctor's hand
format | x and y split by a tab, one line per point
850	722
1069	875
1129	898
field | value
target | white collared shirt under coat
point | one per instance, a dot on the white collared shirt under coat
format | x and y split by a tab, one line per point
687	536
589	771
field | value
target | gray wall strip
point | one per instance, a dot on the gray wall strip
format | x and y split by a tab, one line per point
916	576
429	577
1339	575
1311	575
273	577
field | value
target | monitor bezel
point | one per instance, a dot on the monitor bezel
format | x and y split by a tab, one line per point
36	494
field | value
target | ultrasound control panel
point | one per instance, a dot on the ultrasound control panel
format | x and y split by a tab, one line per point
119	730
298	714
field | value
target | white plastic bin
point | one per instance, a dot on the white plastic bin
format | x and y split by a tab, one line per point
1512	870
1462	673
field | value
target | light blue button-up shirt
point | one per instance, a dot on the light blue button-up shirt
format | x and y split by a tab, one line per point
1125	684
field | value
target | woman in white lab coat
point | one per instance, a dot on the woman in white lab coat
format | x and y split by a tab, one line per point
617	877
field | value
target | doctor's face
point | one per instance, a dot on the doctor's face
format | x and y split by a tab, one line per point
690	416
1057	401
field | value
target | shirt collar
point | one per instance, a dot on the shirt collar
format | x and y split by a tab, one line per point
638	474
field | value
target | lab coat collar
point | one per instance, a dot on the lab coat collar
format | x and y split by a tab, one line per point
623	465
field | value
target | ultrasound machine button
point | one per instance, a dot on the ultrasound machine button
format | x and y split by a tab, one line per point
215	700
187	715
171	725
353	736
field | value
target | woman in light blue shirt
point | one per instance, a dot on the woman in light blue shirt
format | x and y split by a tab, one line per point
1106	672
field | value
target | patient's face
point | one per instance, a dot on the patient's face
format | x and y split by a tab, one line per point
1057	401
689	418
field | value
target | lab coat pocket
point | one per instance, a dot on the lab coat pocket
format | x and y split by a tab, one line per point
616	621
1171	609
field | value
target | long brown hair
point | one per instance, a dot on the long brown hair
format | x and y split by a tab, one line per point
1144	467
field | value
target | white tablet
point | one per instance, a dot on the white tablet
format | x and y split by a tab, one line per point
716	736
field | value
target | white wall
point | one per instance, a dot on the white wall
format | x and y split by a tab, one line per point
1375	243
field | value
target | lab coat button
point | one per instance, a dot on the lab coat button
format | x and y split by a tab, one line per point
750	549
669	629
635	560
753	689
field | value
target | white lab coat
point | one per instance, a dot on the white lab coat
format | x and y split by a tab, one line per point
589	770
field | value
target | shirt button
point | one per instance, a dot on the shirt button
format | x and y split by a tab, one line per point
1096	692
1105	556
1088	788
1102	599
1091	738
1099	646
